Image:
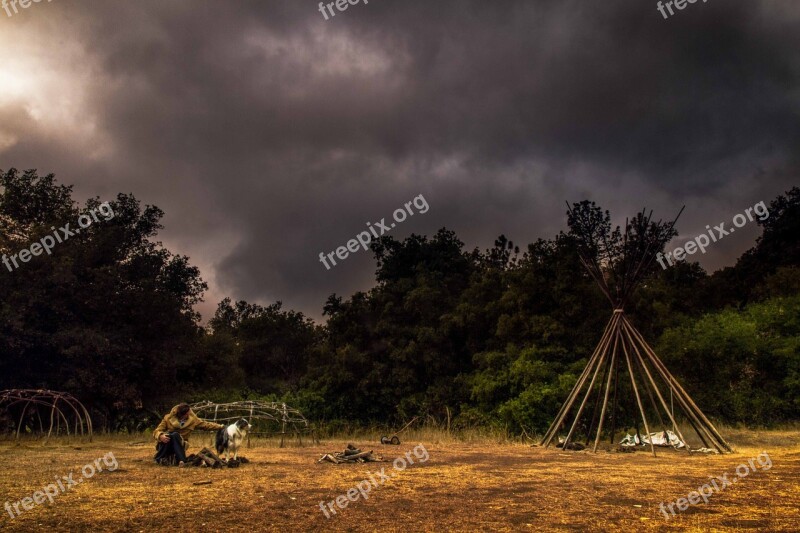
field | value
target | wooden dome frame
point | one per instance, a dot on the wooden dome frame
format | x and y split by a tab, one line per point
62	406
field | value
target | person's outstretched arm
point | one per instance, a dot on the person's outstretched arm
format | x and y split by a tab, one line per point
209	426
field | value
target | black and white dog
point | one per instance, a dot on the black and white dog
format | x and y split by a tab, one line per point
229	439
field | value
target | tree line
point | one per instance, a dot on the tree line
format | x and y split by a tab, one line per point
493	337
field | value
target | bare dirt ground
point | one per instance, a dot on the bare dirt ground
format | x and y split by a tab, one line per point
462	487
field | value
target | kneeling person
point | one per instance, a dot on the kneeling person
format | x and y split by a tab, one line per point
173	433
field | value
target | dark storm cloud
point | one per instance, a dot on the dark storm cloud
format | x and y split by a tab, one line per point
268	134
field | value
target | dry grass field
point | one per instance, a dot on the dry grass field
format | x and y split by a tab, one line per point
463	486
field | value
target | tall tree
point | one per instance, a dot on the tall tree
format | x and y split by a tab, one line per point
108	313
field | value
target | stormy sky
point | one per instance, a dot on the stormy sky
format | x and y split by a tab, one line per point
269	134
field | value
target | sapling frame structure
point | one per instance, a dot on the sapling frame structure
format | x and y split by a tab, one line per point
618	263
260	414
53	409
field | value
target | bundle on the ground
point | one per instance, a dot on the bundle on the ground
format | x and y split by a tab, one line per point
351	454
207	458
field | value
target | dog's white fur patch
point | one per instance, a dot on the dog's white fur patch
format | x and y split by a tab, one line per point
230	439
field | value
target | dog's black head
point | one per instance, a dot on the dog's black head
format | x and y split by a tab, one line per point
243	424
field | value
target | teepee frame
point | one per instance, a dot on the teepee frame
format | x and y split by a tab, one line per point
618	269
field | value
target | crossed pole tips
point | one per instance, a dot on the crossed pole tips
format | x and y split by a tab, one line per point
619	263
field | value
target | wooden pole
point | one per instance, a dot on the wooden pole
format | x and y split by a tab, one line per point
606	371
689	407
702	432
52	413
614	406
679	390
21	418
637	365
611	367
638	399
591	384
553	429
626	325
87	419
551	432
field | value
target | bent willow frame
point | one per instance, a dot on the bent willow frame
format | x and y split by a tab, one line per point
62	407
286	417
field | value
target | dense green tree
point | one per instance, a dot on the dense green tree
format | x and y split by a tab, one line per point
741	366
490	336
108	315
271	346
777	247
